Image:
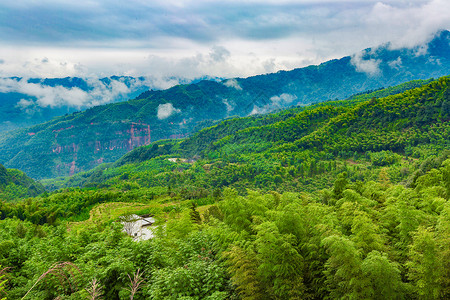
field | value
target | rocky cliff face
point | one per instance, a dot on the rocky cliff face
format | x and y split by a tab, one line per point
78	148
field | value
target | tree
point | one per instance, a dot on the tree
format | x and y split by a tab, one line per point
339	185
443	239
425	268
243	270
195	215
445	108
2	283
446	176
280	265
365	234
343	269
383	280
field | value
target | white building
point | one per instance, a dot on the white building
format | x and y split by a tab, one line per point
139	227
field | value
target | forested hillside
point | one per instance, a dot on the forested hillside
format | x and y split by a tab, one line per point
282	151
80	141
345	199
14	185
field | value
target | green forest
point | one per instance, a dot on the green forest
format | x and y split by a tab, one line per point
338	200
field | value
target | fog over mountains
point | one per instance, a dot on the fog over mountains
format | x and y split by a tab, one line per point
30	101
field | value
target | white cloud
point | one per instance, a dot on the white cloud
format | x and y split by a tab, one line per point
277	102
283	98
58	96
411	23
395	64
232	83
219	54
23	103
262	110
228	105
28	106
166	110
191	39
369	66
258	110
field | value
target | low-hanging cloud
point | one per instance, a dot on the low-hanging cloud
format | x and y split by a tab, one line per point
283	98
395	64
166	110
28	106
230	105
232	83
276	102
369	66
41	95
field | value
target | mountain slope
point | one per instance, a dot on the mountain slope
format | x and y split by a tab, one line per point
14	185
297	149
80	141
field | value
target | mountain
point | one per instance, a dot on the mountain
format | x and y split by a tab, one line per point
328	201
26	102
15	184
82	140
294	149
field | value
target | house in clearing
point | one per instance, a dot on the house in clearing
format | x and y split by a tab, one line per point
138	227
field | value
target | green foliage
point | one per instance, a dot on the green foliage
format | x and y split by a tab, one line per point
384	158
425	265
243	267
383	277
280	264
325	211
378	241
14	185
343	268
2	284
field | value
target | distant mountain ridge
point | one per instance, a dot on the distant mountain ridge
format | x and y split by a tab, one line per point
82	140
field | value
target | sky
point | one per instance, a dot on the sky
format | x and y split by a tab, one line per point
169	39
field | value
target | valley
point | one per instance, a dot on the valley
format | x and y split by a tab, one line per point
355	183
330	181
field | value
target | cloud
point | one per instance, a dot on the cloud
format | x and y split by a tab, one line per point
99	92
143	22
369	66
409	23
191	39
257	110
219	54
277	102
395	64
232	83
23	103
28	106
283	98
228	105
166	110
